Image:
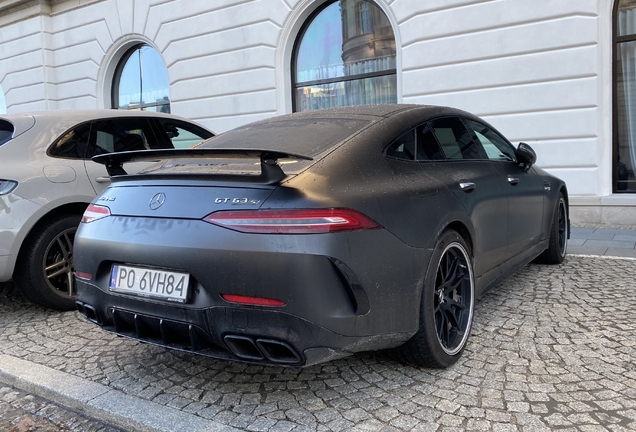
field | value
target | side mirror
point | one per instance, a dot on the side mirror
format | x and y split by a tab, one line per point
525	154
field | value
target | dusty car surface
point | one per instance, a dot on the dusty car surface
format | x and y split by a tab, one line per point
311	236
47	180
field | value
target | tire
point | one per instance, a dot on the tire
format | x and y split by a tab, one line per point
446	315
558	245
44	271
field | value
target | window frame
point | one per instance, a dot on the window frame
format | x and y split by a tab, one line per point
295	85
616	40
114	90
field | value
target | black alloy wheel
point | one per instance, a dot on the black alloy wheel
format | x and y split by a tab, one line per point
446	309
558	243
562	223
453	299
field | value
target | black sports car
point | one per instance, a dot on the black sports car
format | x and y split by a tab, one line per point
311	236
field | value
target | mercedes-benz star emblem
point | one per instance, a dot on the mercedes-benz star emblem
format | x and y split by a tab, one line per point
157	201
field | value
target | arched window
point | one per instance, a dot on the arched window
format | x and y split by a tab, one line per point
141	81
3	102
625	96
345	55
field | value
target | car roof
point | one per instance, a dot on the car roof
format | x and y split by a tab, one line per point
383	110
87	114
310	133
26	120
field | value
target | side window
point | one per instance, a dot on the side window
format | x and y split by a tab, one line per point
403	147
117	135
182	135
455	140
427	146
6	131
496	146
73	144
418	144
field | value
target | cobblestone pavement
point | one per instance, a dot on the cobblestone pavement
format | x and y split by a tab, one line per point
552	348
22	412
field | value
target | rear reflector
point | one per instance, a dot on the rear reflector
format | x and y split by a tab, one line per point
83	275
313	221
94	212
254	301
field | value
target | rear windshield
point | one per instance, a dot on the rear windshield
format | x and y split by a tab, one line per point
6	131
307	137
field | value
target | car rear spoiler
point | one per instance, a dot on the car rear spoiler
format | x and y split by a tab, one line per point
271	172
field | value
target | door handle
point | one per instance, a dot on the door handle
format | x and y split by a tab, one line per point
105	179
513	180
467	186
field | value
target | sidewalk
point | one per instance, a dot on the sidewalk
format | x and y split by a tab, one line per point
527	366
616	242
100	402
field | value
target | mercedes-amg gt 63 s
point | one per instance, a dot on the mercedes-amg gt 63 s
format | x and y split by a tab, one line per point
312	236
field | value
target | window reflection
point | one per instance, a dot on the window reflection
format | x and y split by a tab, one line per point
626	19
376	90
141	81
346	56
625	98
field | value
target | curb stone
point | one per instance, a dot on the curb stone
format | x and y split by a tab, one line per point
99	401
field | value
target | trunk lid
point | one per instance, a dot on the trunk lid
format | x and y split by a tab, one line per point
186	201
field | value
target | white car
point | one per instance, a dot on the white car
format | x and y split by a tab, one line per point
47	179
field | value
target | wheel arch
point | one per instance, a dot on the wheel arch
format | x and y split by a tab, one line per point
69	208
463	231
564	190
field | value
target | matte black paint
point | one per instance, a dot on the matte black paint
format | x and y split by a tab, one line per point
344	292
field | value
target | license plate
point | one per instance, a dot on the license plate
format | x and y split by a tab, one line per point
146	282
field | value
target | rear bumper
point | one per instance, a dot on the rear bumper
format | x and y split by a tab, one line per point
343	293
249	334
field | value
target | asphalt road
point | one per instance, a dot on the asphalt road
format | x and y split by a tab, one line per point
552	348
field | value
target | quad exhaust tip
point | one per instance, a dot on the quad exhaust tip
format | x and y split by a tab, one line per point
260	349
88	312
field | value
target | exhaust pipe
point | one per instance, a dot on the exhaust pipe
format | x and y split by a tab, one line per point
88	312
277	351
243	347
274	351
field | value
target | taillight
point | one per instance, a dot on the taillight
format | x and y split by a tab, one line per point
252	301
94	212
312	221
